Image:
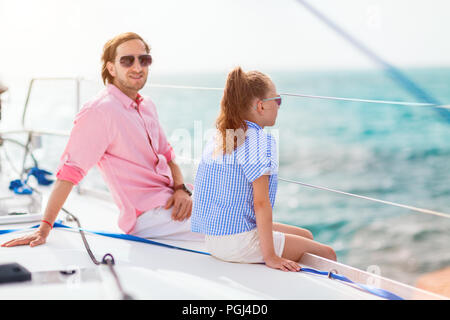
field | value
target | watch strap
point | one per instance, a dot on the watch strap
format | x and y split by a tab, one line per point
182	187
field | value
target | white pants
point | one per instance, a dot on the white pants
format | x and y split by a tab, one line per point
158	223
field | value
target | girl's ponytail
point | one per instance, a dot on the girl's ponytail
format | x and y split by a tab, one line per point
240	89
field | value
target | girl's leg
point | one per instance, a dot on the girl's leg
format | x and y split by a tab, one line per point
295	246
284	228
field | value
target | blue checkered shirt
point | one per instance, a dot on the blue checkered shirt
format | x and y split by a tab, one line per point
223	192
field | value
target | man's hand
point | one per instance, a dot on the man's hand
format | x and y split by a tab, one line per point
182	205
37	238
60	192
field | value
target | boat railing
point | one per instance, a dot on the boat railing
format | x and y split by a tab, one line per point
106	195
36	134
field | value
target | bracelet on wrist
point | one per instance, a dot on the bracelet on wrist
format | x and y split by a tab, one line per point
45	221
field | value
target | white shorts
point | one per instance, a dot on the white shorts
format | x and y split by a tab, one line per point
158	223
242	247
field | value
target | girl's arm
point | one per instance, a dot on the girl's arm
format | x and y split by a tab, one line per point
263	212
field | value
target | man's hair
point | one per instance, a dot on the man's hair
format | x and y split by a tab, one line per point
109	52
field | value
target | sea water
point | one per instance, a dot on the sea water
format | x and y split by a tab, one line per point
385	151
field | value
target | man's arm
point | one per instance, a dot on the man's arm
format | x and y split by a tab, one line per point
60	192
180	200
177	176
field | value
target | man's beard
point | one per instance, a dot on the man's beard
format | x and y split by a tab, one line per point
128	85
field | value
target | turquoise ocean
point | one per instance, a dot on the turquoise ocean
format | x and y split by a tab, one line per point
384	151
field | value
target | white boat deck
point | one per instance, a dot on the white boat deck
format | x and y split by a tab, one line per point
154	272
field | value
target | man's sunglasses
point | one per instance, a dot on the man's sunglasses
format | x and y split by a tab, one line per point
144	60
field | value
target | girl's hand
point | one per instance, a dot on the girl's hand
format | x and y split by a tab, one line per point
283	264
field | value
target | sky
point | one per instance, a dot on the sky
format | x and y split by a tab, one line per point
65	37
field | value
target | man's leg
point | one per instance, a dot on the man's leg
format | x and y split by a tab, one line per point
158	223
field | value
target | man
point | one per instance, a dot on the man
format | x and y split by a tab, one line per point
119	131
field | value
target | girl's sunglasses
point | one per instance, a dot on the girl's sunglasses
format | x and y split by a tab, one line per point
277	100
144	60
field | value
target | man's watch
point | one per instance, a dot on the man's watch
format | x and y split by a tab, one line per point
183	187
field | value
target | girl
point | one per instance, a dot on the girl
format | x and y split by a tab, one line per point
236	182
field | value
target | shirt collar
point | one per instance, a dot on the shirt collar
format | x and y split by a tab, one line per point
253	125
139	99
123	98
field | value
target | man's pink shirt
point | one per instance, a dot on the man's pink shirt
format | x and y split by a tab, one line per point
124	138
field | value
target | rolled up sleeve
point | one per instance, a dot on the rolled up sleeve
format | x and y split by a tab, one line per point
88	141
169	154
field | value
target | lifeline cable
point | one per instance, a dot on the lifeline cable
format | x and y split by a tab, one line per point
421	210
107	259
302	95
427	211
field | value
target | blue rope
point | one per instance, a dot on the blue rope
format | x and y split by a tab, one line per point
375	291
123	236
40	176
21	187
392	71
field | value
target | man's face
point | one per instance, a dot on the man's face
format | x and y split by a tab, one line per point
133	78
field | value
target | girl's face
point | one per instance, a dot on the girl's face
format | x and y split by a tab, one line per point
270	106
